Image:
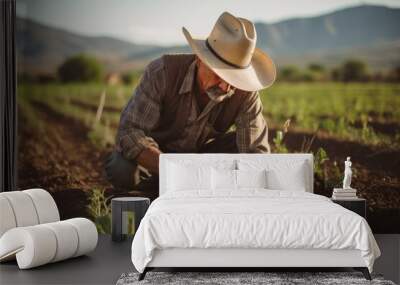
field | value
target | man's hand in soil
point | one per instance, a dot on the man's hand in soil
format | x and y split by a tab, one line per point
149	158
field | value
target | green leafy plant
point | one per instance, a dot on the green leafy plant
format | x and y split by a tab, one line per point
279	138
320	158
330	174
278	141
100	211
334	178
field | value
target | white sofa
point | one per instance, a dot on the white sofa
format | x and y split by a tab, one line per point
31	230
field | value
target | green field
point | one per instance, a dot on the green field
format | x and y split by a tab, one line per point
368	113
62	144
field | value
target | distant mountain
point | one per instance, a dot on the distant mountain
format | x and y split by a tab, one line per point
41	48
367	32
353	27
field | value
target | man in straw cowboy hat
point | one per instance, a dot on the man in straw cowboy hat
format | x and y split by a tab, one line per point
188	103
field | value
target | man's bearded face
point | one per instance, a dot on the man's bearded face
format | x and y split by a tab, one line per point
215	87
215	93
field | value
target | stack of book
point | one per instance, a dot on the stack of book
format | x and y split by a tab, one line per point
343	194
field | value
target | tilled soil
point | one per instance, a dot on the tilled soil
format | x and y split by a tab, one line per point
62	160
376	175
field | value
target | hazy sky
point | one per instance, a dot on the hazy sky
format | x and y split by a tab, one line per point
160	21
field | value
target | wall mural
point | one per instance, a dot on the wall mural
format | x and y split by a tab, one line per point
337	94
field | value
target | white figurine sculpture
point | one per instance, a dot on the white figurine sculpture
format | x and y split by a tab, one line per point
347	174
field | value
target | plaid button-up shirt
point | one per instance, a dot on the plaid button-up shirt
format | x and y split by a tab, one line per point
142	113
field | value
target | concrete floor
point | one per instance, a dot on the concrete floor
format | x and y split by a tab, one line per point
103	266
388	264
110	259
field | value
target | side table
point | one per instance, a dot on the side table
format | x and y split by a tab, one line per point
357	205
120	208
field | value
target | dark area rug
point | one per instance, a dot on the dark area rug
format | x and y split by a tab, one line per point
230	278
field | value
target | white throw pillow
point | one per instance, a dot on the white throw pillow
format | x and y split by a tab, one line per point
188	177
290	174
293	180
227	179
251	178
208	162
223	179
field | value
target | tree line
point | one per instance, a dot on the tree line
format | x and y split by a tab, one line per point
87	68
352	70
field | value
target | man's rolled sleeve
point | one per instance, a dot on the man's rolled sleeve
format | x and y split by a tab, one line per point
251	127
142	113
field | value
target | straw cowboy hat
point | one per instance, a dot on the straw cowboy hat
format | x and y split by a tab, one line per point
230	51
